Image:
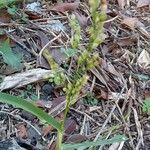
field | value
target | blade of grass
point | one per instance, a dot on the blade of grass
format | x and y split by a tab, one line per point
30	107
117	138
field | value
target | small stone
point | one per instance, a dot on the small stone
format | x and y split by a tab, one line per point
47	89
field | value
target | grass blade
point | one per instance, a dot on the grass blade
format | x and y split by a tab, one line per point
30	107
117	138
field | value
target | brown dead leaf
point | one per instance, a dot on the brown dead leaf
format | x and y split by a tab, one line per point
52	146
22	131
127	41
142	30
5	17
76	138
142	3
57	55
130	22
121	3
83	20
46	130
70	126
147	94
63	7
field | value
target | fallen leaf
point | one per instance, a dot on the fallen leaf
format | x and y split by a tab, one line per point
5	17
63	7
52	146
46	130
70	126
147	94
142	30
83	20
130	22
127	41
121	3
142	3
58	105
24	78
43	104
144	59
57	55
22	131
76	138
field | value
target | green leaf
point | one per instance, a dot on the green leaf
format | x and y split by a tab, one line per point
4	3
69	52
12	10
146	105
30	107
142	77
9	57
117	138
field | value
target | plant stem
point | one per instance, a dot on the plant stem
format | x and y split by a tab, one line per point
59	140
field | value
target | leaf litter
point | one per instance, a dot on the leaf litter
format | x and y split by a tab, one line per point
120	83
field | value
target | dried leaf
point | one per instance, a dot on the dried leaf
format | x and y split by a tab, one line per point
22	131
144	59
21	79
63	7
76	138
127	41
83	20
121	3
44	104
58	105
46	130
130	22
70	126
147	94
142	30
142	3
57	55
5	17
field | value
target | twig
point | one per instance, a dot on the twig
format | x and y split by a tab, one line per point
109	116
18	117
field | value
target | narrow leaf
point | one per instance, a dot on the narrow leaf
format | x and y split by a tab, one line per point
28	106
117	138
146	105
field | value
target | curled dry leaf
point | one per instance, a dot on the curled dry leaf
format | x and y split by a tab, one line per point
142	3
63	7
